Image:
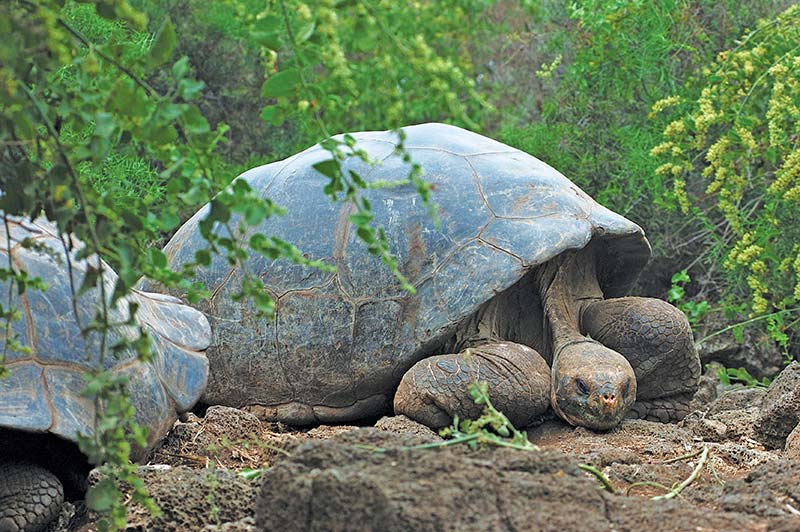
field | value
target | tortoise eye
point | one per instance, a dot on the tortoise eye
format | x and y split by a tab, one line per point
627	387
583	388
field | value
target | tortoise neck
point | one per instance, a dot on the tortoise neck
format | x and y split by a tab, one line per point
566	285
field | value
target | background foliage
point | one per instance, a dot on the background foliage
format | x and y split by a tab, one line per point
119	119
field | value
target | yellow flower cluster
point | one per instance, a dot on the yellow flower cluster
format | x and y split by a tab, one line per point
333	55
797	272
706	116
746	145
781	108
664	103
787	178
547	69
675	128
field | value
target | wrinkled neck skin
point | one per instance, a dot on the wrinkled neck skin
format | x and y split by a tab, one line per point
591	385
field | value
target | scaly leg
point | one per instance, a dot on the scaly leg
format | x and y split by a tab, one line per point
30	497
436	389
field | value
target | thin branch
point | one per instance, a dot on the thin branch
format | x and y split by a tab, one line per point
683	485
84	206
10	292
683	457
296	57
599	474
747	322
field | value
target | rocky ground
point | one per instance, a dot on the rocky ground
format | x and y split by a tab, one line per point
738	457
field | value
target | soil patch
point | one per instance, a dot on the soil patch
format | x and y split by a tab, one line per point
371	478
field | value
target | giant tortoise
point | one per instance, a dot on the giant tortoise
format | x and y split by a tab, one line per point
522	264
42	410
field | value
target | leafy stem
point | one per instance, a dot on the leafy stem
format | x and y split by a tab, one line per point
747	322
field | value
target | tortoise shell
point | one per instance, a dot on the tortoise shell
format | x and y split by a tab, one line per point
43	392
340	341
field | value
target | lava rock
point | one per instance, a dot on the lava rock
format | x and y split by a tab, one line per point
792	450
190	499
780	411
344	484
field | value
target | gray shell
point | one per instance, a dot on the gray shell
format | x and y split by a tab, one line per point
346	338
43	392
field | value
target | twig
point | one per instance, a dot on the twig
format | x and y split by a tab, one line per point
683	457
714	473
680	487
599	474
185	456
747	322
792	509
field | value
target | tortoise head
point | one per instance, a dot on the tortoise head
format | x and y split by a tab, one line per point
593	386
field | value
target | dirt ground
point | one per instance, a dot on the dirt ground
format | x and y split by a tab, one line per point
367	478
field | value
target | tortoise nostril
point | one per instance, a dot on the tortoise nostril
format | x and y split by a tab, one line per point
609	398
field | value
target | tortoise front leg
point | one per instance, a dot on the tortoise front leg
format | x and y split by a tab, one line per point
436	389
656	339
30	497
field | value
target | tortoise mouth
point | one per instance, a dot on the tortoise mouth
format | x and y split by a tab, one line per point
590	415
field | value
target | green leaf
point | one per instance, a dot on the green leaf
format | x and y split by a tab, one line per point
104	125
194	122
738	334
168	221
272	114
360	219
23	126
304	32
219	213
282	83
89	280
268	31
366	41
158	258
203	256
189	89
329	168
250	474
171	111
163	44
180	67
102	496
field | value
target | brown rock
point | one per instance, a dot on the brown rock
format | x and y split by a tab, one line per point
780	411
340	484
792	449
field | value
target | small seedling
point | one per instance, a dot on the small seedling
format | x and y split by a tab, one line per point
729	376
694	310
491	428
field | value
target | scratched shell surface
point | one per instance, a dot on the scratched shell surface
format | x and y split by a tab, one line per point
42	393
344	338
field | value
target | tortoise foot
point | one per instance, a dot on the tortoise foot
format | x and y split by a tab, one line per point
436	389
664	409
30	497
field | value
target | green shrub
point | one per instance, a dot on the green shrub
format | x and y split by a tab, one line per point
368	65
619	57
732	155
